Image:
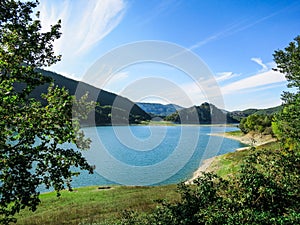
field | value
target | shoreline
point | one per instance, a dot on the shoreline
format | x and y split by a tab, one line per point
251	139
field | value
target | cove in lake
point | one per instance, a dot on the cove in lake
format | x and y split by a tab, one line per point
150	155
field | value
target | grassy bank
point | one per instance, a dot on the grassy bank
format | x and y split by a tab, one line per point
229	163
91	205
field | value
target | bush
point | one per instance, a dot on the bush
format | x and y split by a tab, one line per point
257	123
265	191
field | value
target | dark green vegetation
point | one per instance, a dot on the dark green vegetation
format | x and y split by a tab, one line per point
258	186
31	131
264	191
287	123
257	123
90	205
156	109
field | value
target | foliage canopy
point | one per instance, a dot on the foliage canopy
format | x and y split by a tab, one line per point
288	121
32	131
257	123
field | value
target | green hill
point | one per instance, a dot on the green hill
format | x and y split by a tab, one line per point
209	114
123	112
238	115
204	114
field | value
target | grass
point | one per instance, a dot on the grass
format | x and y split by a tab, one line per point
90	205
229	164
236	133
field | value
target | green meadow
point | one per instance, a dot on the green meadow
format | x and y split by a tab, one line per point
95	205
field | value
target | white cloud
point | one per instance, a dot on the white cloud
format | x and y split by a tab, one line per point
259	62
225	76
257	83
84	23
254	82
202	91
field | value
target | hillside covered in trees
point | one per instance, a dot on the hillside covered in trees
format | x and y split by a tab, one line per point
125	111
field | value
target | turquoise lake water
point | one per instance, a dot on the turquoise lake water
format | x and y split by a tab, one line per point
150	155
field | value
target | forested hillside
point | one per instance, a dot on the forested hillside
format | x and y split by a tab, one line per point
103	113
204	114
238	115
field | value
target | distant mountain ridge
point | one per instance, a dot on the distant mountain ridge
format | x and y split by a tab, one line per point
206	113
157	109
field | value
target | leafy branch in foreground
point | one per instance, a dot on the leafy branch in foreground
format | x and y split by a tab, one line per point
32	131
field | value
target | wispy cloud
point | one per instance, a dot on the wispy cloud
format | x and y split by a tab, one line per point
225	76
228	31
259	62
99	19
236	28
84	23
259	83
264	79
221	34
163	8
253	83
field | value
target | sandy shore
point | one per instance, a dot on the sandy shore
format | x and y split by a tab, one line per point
203	168
250	139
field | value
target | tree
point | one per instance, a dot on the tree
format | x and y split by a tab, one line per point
32	131
256	123
287	124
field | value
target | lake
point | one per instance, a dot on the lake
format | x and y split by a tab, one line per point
150	155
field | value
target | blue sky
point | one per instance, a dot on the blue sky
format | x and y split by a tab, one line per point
234	38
